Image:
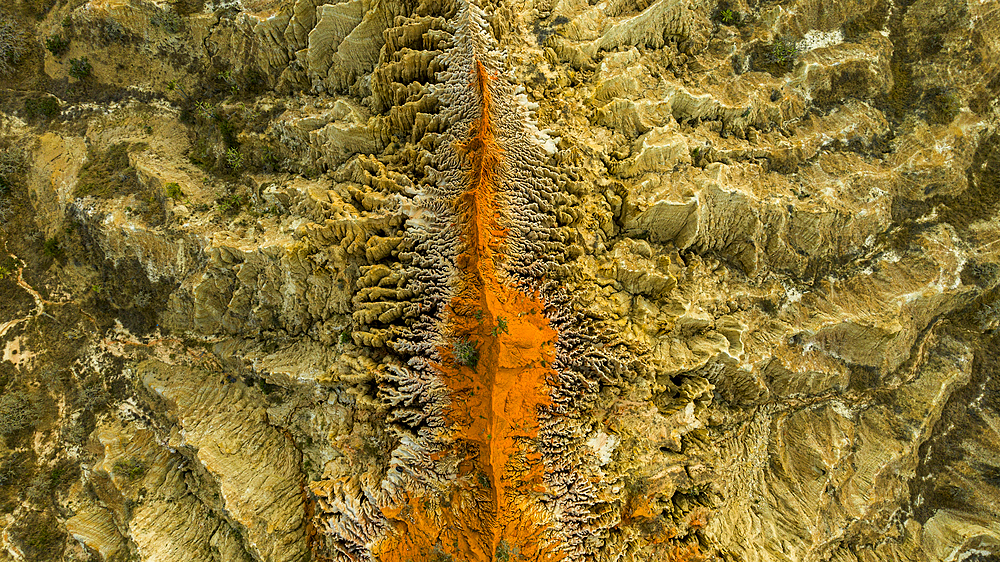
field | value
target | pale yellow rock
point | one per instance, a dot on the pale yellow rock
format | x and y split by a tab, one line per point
55	164
95	527
257	469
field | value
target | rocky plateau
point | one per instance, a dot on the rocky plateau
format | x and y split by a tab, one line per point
419	280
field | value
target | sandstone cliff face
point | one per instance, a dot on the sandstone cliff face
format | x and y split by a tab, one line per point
765	232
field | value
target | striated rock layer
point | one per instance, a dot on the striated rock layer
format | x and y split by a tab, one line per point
508	280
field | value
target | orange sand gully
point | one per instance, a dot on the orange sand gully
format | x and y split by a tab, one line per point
491	513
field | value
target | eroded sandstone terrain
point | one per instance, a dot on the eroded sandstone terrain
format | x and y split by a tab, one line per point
737	301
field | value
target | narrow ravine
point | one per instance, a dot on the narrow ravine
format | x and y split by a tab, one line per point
497	366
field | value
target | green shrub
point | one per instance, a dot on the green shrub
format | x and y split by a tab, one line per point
728	17
234	160
57	45
41	108
40	536
52	248
80	68
112	31
501	327
174	190
40	488
17	412
12	468
131	469
230	204
466	353
783	52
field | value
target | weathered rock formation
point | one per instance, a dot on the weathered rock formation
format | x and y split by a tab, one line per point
413	280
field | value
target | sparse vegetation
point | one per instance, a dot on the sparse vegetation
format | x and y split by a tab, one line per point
943	106
466	353
728	17
131	468
783	52
234	159
230	204
41	108
92	397
39	489
12	165
112	31
501	327
80	68
107	174
9	267
11	468
174	191
57	45
988	316
17	412
169	20
438	555
505	552
52	249
230	79
41	537
12	46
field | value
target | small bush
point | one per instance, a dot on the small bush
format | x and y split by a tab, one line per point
80	68
52	249
234	159
57	45
12	46
12	468
131	469
152	207
466	353
783	52
39	489
729	17
230	204
40	536
41	108
92	397
501	327
17	412
174	191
